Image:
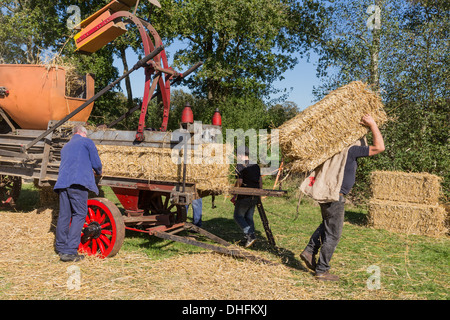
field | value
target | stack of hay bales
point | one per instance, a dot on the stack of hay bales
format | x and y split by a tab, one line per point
165	164
329	126
47	196
407	203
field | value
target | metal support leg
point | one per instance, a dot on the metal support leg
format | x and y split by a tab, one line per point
265	222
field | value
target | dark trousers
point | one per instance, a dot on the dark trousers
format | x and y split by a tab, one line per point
244	209
72	215
327	235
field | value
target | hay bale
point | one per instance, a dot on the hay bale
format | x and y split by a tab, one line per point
158	164
48	197
403	217
327	127
423	188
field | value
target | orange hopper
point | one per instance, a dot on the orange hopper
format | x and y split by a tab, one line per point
37	94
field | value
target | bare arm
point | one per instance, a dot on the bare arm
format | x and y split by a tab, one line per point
378	141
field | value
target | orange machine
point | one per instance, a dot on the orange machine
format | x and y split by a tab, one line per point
36	95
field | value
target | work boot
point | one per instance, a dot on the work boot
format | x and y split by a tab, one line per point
251	238
308	259
326	276
70	257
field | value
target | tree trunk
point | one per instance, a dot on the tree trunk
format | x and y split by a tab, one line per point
127	80
374	55
374	59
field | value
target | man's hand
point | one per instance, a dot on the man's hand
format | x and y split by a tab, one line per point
368	121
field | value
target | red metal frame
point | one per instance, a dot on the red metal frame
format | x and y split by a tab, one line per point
150	205
129	198
153	69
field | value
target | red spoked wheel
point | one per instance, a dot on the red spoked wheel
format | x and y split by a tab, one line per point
104	230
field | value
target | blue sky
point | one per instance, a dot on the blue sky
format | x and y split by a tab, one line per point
299	82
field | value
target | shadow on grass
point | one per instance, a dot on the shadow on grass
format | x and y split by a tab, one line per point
356	217
228	230
223	228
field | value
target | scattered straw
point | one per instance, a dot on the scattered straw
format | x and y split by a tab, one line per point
327	127
29	269
73	80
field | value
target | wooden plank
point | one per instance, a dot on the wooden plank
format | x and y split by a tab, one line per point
45	160
257	192
154	218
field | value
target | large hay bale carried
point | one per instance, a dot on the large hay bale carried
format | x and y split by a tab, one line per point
410	218
160	164
329	126
423	188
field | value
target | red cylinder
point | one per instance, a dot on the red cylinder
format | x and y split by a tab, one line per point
187	116
217	118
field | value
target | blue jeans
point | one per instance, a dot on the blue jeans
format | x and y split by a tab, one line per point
243	214
327	235
72	215
197	205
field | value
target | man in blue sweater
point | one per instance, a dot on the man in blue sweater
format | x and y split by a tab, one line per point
79	160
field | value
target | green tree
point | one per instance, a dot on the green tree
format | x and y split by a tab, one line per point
28	28
280	113
245	45
413	69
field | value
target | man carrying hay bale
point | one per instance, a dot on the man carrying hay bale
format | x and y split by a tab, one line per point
75	178
327	235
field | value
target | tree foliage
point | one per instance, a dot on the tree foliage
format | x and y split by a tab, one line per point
414	53
245	45
27	29
244	50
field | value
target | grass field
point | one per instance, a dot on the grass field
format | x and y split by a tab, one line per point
409	266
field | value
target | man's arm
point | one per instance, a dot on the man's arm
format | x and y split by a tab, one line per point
95	158
378	142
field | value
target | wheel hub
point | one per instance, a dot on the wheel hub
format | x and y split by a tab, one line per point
92	231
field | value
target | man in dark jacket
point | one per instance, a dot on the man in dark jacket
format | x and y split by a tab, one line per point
79	158
248	175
